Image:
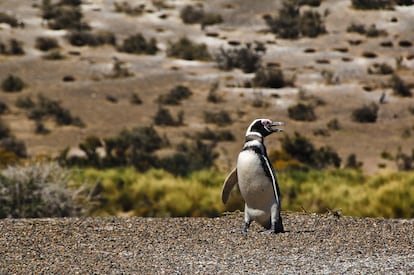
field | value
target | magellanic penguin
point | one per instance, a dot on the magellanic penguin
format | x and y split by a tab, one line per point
256	179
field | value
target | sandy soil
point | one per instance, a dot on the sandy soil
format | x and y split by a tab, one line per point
312	244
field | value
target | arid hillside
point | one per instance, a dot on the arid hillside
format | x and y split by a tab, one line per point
334	73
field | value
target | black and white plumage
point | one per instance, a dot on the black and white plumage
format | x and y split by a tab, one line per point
257	179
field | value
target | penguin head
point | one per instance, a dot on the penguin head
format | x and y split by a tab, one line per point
263	127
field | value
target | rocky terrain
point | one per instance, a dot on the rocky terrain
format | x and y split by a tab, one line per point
312	244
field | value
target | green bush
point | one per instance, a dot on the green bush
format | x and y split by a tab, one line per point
302	112
246	58
404	2
301	149
164	117
8	19
4	130
25	102
3	107
87	38
137	44
313	3
383	69
192	15
36	191
190	157
135	99
14	47
311	24
366	113
221	118
383	195
63	16
53	54
372	31
125	7
175	95
46	43
12	84
134	147
371	4
186	49
155	193
14	146
269	77
291	24
46	107
222	135
399	87
334	124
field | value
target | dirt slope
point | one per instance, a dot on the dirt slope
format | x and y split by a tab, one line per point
312	244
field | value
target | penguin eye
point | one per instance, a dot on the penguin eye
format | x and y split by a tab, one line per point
266	122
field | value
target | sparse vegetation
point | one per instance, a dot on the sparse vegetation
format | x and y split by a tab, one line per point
186	49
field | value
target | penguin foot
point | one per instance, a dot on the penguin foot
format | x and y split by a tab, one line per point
245	228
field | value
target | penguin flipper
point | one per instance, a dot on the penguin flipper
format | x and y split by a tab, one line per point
228	185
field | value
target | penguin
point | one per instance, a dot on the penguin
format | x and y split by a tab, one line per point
256	179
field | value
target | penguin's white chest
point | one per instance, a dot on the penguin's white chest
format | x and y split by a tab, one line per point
255	186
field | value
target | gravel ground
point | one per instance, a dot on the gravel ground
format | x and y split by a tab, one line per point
312	244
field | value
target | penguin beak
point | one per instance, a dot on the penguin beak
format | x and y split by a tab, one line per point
274	124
